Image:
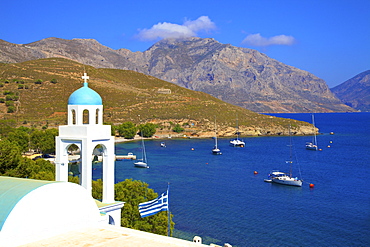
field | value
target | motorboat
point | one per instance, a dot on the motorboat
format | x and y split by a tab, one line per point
237	143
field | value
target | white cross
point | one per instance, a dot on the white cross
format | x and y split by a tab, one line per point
85	77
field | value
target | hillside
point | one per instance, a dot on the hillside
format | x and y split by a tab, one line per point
239	76
44	86
355	92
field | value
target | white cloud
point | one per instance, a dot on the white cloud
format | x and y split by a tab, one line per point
200	24
170	30
258	40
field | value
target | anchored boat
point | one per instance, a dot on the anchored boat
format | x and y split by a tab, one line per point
285	178
142	163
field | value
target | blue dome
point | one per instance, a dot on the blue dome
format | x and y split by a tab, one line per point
85	96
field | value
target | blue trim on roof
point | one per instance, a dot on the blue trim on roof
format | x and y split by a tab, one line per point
12	190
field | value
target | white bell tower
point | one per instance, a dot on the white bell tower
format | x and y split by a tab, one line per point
86	130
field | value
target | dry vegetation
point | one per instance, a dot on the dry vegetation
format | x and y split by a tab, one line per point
126	96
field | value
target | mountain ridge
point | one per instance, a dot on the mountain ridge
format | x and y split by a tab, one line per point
355	92
240	76
43	87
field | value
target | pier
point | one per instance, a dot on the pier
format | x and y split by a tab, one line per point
129	156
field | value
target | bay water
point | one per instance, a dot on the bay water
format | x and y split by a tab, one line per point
221	198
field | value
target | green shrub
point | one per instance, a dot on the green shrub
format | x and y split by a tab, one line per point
9	103
178	128
11	109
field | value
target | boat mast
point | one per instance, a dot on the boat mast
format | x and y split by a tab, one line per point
314	131
144	153
142	143
290	152
216	131
237	127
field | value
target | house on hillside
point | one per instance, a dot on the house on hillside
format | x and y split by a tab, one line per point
164	90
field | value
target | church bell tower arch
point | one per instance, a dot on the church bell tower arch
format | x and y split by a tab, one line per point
86	135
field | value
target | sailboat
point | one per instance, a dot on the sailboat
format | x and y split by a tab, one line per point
285	178
237	142
312	145
142	163
216	150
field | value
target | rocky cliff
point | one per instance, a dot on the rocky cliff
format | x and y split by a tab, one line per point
355	92
240	76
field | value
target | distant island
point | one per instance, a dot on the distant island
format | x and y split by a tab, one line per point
355	92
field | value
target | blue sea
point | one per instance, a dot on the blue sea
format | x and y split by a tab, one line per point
222	200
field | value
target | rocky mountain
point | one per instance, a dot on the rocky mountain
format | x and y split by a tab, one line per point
239	76
355	92
35	94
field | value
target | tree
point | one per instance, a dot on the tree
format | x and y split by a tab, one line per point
21	137
43	170
36	139
9	103
11	109
11	97
9	155
127	130
40	169
178	128
44	140
133	192
7	126
147	130
129	191
97	189
24	169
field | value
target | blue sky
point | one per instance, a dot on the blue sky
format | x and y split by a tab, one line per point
328	38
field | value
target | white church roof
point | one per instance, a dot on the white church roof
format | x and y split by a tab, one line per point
31	210
12	190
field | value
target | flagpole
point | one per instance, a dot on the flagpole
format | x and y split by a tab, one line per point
168	211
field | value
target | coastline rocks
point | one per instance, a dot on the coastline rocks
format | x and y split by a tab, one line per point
247	131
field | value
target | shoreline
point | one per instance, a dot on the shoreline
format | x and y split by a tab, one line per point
164	137
156	137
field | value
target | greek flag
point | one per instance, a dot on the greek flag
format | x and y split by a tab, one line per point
154	206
